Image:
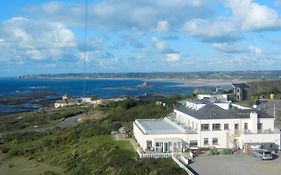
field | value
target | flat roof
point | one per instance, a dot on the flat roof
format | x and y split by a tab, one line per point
158	126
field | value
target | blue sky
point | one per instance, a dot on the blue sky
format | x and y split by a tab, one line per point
39	36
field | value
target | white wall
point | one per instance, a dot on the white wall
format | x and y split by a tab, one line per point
188	120
267	123
260	138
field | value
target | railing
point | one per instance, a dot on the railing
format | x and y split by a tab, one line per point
183	165
259	131
153	154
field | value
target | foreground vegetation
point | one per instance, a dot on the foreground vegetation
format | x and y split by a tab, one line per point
39	118
88	148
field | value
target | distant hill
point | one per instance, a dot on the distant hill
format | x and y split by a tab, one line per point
265	86
229	75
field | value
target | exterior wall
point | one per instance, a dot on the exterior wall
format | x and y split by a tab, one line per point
260	138
188	120
267	123
217	96
220	135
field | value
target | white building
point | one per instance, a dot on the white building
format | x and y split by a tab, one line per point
221	97
205	124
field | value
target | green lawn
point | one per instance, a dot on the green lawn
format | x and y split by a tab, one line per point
23	166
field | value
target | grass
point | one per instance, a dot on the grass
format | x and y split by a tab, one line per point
36	118
23	166
88	148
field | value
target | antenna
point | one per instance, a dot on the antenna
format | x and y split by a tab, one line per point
85	47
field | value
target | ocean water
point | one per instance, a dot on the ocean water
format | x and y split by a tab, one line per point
32	92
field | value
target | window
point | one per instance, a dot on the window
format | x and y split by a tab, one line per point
236	126
215	141
238	97
148	144
245	125
216	126
204	127
158	144
193	143
259	126
226	127
206	141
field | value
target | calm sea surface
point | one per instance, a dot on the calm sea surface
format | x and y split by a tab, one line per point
35	91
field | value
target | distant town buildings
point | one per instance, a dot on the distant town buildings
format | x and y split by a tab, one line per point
241	91
66	101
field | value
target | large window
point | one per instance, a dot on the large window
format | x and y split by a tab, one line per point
215	141
226	127
216	126
204	127
206	141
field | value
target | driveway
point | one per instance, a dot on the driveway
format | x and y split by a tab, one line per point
236	164
268	106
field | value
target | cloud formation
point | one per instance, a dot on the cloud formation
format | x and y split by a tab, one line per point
253	16
219	30
24	38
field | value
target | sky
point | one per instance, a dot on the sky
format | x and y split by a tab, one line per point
40	36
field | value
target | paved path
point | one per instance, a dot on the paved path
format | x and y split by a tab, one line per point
67	123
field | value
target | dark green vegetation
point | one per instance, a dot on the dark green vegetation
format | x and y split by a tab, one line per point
266	87
88	148
37	118
262	88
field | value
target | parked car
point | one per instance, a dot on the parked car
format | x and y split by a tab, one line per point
262	154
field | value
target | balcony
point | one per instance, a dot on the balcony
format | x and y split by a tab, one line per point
260	131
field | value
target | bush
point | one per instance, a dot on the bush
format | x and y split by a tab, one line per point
214	151
226	151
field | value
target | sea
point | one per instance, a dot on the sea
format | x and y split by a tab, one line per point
19	95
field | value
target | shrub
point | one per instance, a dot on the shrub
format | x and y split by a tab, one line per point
226	151
214	151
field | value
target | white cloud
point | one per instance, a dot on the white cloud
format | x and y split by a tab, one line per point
254	16
126	14
162	26
257	51
161	46
172	57
229	47
220	30
234	48
37	40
